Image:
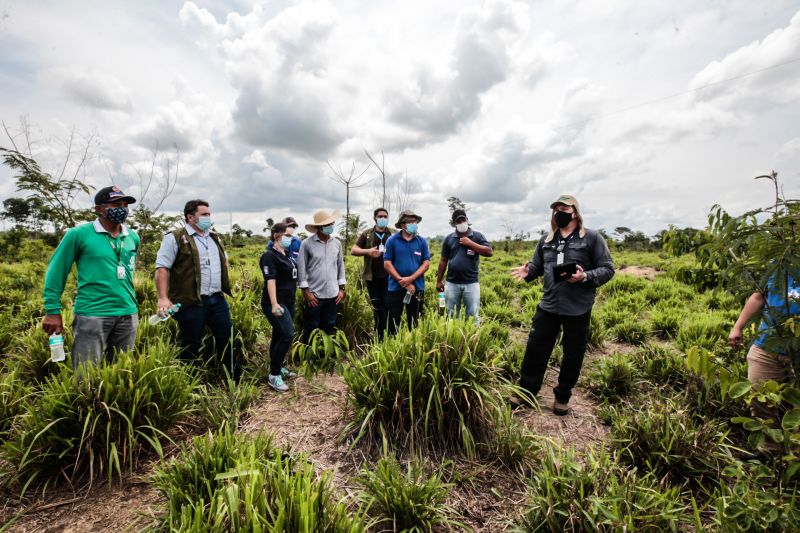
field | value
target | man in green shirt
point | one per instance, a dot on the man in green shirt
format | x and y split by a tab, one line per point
104	253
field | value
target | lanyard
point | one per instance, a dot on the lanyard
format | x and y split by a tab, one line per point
117	245
380	237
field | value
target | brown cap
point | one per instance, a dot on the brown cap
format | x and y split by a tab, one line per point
565	199
406	214
290	221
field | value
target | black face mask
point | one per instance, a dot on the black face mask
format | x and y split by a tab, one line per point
563	219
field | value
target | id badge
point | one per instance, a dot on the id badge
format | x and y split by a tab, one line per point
560	258
294	273
381	248
120	272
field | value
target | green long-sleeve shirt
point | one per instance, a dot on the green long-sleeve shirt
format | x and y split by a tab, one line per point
97	255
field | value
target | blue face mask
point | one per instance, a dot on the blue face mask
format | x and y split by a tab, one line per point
204	223
411	228
286	241
382	222
117	215
328	230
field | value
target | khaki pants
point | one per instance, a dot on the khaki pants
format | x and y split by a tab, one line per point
763	366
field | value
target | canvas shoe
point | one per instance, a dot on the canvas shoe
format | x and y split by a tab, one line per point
276	382
288	374
560	408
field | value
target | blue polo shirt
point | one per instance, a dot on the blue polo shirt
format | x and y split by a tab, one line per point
775	309
462	262
406	257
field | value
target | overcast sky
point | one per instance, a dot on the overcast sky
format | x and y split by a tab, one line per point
648	112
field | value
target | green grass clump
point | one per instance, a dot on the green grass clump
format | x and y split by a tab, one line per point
665	323
661	364
223	404
632	331
100	422
624	285
665	439
704	331
228	482
432	387
502	313
13	393
405	499
611	378
567	494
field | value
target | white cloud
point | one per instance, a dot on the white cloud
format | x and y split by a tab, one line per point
93	88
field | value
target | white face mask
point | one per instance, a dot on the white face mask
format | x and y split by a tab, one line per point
462	227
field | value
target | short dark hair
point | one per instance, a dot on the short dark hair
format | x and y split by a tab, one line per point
191	207
278	227
375	213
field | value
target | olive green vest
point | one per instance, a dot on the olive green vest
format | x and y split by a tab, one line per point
184	276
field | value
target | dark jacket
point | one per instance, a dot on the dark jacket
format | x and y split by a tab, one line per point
184	275
588	249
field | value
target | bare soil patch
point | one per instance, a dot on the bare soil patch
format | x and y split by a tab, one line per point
640	272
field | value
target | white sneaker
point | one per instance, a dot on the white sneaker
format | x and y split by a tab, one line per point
276	382
288	374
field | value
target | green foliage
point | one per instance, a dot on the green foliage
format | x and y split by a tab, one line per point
611	378
598	494
409	499
227	482
703	330
632	331
665	439
323	353
666	322
430	388
598	333
661	364
13	393
223	405
98	422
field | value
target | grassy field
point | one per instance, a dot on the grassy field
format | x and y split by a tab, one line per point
411	434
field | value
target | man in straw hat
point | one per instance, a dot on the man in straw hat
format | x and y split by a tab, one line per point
406	259
320	274
574	261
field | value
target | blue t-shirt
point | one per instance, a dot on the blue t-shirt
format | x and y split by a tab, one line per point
406	257
775	309
462	262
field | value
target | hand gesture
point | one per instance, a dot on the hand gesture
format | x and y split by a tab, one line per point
405	282
52	324
163	306
466	241
374	252
520	273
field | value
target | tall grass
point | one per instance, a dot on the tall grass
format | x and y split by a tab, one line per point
228	482
431	388
100	422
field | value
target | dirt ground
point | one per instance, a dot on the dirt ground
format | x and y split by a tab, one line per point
310	419
640	272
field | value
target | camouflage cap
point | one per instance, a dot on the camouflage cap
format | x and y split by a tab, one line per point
565	199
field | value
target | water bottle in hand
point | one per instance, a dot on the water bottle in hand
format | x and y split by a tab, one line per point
157	318
57	348
441	300
407	297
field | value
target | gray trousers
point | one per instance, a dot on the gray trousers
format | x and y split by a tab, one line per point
99	337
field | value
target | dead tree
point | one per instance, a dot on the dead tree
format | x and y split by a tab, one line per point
351	181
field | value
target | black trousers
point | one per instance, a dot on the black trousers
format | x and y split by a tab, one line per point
395	305
282	333
214	313
378	290
323	317
542	340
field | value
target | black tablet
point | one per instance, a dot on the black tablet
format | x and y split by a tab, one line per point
562	272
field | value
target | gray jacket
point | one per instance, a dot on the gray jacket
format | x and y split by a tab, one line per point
586	248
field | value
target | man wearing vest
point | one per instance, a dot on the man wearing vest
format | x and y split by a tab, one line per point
192	270
104	253
371	245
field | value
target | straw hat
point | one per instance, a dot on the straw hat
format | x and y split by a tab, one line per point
323	218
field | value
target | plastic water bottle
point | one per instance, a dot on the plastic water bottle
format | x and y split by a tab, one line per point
441	300
407	297
157	318
57	348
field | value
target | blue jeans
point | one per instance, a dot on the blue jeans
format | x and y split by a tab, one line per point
282	334
98	337
214	313
458	295
323	317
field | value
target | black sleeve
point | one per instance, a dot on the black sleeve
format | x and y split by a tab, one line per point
362	241
268	266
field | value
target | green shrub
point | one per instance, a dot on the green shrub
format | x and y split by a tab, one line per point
598	333
101	422
704	331
13	393
661	364
632	331
356	317
323	353
610	316
405	499
430	387
623	285
227	482
666	322
611	378
223	405
667	440
502	313
600	495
